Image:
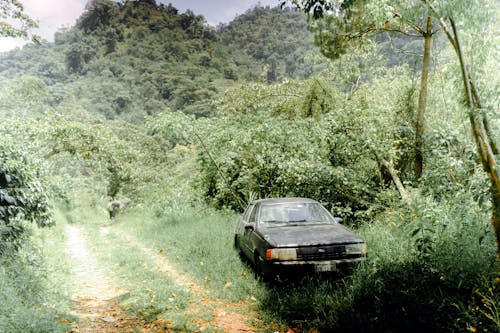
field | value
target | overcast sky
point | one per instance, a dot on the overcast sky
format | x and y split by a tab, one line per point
54	14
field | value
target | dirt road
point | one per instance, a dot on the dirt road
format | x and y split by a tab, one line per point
94	302
96	298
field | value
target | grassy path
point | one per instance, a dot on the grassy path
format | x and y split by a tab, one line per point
95	301
228	317
159	296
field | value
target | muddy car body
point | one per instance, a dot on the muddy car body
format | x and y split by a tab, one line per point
290	233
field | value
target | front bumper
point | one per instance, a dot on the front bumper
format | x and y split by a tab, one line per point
270	266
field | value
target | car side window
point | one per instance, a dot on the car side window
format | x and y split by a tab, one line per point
247	213
251	219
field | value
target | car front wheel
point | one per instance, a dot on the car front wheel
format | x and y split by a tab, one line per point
236	243
259	269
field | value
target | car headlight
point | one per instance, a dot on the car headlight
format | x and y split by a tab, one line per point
281	254
359	248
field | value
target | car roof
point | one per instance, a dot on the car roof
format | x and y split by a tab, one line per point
283	200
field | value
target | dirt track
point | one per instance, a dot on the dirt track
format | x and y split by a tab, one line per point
95	302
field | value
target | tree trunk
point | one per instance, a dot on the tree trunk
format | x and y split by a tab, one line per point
484	141
422	101
495	219
486	124
389	165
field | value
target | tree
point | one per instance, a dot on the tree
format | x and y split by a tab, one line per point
95	145
22	198
340	25
480	128
13	20
98	14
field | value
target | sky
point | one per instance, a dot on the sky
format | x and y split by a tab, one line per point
52	15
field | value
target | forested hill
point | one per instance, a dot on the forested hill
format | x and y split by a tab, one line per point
135	58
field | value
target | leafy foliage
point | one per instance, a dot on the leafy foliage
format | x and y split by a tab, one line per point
114	152
306	139
13	20
22	198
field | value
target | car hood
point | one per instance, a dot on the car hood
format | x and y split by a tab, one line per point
309	235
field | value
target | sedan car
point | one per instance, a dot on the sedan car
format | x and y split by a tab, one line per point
276	234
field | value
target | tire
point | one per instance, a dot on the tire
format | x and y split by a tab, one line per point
259	270
257	266
236	243
239	250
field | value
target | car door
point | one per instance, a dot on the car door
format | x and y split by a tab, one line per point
249	229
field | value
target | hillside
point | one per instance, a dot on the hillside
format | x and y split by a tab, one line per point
272	39
137	58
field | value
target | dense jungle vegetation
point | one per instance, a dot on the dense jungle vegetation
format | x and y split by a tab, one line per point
187	123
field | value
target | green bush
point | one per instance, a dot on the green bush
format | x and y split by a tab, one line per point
22	198
262	155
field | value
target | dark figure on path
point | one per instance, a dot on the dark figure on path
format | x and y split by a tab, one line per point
113	207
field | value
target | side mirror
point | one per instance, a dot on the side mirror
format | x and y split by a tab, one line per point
338	220
249	227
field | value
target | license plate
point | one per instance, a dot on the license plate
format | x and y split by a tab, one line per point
327	267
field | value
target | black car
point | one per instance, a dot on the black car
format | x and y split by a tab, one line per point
276	234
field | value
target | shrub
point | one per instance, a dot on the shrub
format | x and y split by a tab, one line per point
22	198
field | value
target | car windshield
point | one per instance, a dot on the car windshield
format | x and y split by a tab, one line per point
293	213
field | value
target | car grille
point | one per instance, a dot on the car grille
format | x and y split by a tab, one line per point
322	253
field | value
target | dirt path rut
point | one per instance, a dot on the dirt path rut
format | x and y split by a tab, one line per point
228	317
94	300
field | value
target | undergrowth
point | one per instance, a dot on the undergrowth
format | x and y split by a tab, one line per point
201	242
33	284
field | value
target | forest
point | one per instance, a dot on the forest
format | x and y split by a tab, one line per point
387	112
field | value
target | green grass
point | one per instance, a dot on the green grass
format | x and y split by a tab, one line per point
201	245
151	294
34	284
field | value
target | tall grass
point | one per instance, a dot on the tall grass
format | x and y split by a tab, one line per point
431	267
33	284
201	242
